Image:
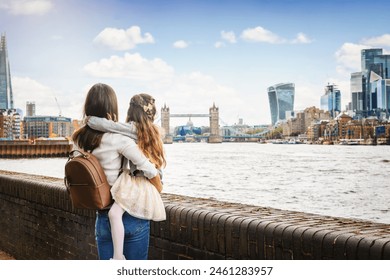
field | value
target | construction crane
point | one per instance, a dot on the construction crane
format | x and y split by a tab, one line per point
59	108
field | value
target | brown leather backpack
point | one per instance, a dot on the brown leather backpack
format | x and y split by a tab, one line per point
86	181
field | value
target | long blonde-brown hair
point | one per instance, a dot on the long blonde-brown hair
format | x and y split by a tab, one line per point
142	112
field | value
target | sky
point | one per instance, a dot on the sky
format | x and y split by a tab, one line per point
187	54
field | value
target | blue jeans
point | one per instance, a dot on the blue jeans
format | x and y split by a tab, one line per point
136	237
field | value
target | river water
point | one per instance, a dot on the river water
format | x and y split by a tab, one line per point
340	181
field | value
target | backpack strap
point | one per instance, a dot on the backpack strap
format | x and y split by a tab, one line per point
73	154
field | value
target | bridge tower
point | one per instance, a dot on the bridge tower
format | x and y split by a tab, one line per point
165	116
214	125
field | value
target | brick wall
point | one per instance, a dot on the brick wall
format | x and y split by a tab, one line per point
38	222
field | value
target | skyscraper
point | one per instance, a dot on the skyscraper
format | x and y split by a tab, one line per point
368	57
370	88
358	101
6	96
281	99
331	100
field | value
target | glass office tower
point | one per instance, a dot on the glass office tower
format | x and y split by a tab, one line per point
357	92
380	96
370	90
281	99
331	100
6	96
368	57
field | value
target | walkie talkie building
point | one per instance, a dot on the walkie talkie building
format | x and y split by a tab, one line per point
281	99
6	96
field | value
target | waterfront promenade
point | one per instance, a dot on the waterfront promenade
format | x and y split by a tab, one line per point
39	223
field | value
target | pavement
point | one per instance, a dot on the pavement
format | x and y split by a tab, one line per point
5	256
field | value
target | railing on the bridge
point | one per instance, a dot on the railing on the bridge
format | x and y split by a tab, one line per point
189	115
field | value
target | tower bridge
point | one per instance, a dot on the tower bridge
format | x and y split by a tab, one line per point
215	136
189	115
214	123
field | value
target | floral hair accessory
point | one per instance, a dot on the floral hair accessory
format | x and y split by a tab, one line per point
148	107
149	110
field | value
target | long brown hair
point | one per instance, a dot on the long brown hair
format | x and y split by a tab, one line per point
100	102
142	111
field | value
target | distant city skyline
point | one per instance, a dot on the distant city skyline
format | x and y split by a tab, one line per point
188	54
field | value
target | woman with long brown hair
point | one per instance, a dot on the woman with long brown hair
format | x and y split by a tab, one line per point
110	148
133	194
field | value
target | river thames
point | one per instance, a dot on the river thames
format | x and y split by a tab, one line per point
340	181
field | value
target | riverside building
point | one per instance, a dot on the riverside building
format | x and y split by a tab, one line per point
303	121
47	127
281	100
10	128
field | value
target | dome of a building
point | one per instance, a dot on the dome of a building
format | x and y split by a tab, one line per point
190	123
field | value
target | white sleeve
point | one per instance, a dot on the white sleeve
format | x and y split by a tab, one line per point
132	152
105	125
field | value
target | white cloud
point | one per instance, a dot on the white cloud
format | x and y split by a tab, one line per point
56	37
228	36
130	66
380	41
348	58
180	44
219	45
260	34
26	7
194	92
301	39
120	39
307	95
27	89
